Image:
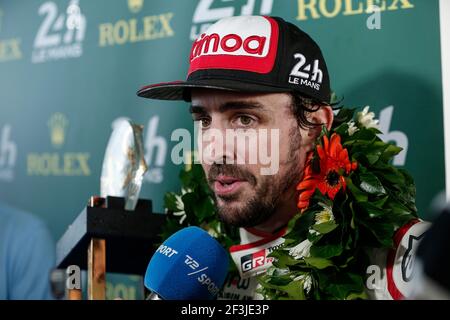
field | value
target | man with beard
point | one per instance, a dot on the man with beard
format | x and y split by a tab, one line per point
254	74
246	73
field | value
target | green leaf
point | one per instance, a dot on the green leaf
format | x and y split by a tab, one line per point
284	260
344	115
371	210
389	174
205	209
342	129
353	223
391	151
382	229
314	237
408	194
360	157
344	284
171	226
360	295
300	230
361	138
190	200
407	177
347	262
170	202
355	191
186	178
294	290
372	157
288	242
318	263
279	281
292	223
335	99
326	227
374	150
380	202
197	172
399	214
371	184
326	251
375	130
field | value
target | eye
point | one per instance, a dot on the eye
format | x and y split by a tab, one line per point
245	121
204	122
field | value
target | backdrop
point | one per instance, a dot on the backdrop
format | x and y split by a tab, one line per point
69	68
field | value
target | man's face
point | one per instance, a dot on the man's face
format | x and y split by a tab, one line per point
245	197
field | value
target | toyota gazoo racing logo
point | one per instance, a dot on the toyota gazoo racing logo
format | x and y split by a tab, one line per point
305	74
248	49
255	260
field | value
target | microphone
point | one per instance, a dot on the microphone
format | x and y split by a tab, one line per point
189	265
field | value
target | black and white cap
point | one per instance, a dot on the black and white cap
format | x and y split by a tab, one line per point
251	54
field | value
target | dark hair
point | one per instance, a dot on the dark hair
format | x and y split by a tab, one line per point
302	106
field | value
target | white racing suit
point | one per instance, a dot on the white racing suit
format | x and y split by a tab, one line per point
389	277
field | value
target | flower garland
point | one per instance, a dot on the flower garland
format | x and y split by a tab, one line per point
351	201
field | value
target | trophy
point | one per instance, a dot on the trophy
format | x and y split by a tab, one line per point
116	231
124	164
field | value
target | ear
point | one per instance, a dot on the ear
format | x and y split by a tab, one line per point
322	117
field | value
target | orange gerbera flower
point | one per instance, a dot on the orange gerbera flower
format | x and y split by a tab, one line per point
334	163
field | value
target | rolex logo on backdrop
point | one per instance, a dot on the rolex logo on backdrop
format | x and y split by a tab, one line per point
57	125
136	29
318	9
58	162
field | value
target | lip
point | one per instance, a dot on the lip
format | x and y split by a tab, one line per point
226	185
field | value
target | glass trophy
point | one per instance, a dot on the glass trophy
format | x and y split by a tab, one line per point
124	164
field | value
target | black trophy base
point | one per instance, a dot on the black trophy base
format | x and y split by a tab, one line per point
131	236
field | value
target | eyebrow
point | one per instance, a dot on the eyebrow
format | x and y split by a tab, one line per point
231	105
